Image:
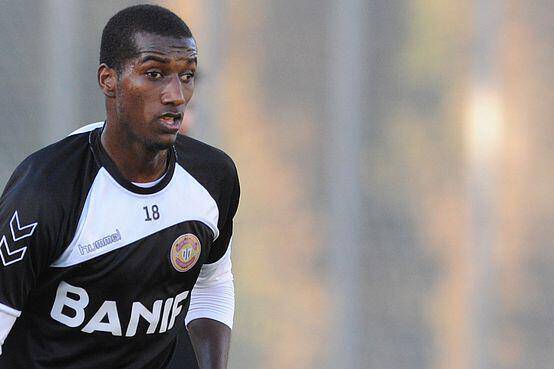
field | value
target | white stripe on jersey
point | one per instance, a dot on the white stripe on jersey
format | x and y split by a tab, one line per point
8	317
87	128
112	213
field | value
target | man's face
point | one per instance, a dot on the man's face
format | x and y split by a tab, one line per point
154	89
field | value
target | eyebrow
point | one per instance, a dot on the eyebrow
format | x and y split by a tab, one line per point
154	58
164	60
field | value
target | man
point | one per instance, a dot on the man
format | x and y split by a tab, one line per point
104	234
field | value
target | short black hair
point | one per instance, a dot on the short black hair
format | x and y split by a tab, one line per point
118	38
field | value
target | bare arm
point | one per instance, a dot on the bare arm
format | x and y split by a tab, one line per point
211	340
210	316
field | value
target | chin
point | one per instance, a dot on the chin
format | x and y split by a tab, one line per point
162	145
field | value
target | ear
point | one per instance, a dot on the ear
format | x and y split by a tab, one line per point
107	80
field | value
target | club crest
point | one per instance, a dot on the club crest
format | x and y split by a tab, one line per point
185	252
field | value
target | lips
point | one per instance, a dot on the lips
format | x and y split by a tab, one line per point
171	121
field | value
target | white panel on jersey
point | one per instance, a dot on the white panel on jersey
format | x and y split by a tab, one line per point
6	324
87	128
8	310
8	316
114	217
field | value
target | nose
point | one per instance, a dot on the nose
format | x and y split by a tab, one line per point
173	92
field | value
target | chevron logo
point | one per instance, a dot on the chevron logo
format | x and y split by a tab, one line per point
22	232
10	256
19	232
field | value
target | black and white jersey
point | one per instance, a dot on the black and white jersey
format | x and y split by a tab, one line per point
100	269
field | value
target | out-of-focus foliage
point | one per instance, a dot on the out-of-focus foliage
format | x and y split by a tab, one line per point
455	153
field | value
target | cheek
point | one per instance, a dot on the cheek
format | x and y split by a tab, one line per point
147	100
129	104
138	102
188	91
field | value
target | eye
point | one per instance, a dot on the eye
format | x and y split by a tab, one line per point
186	77
154	75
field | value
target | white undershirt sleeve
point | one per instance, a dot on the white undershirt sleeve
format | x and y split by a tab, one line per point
213	295
8	317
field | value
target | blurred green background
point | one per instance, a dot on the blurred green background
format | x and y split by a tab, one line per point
396	161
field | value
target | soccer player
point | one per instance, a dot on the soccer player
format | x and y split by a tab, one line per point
107	236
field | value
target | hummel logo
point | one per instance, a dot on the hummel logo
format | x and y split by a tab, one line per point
18	233
98	244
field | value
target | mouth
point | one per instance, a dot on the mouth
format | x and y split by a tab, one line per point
171	121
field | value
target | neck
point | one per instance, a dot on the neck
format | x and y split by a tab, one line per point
137	162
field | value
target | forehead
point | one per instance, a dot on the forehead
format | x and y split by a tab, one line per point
149	43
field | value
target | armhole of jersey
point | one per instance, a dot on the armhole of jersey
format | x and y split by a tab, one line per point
218	271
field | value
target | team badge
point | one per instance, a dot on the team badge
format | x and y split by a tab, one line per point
185	252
